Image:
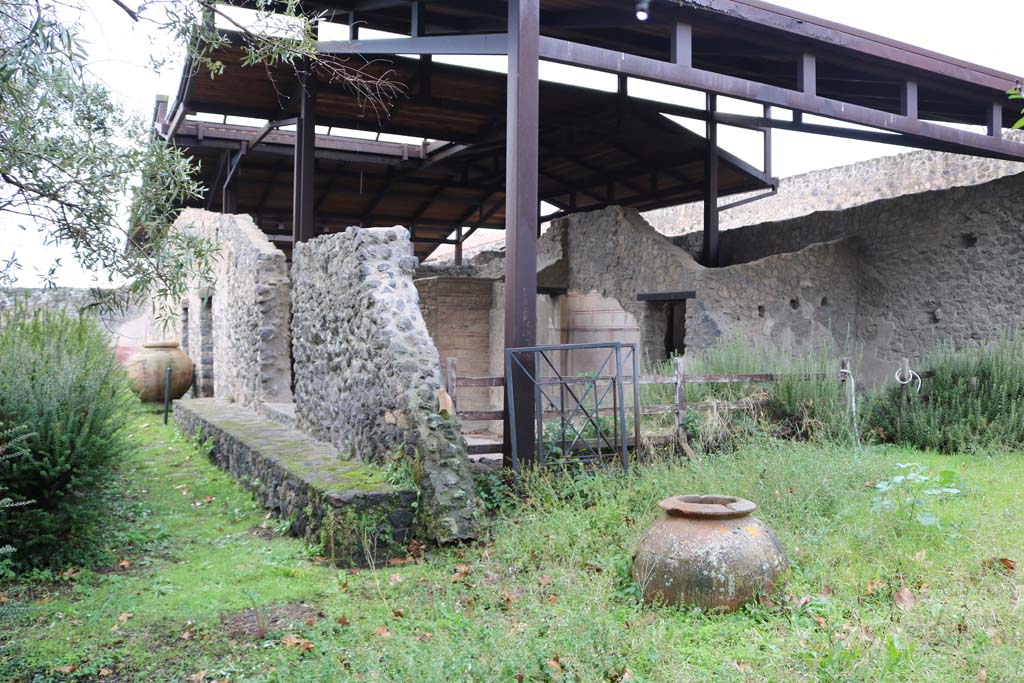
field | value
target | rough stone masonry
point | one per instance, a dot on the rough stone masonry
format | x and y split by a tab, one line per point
235	326
367	374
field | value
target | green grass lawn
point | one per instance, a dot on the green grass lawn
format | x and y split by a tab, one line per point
210	590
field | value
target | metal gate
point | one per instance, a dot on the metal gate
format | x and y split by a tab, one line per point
581	417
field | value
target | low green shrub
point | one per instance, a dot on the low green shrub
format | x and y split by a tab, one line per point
974	399
59	382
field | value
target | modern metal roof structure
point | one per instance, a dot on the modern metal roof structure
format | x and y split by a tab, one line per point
491	147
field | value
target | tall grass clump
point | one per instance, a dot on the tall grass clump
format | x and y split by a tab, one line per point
973	400
62	388
805	401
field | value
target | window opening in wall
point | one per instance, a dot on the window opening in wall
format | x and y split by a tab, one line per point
794	304
675	331
968	240
673	306
824	301
760	311
205	365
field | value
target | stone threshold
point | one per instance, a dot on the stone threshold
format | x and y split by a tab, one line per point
348	507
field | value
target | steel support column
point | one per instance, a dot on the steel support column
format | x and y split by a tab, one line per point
303	225
521	224
710	250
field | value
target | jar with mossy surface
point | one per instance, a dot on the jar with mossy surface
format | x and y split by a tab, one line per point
708	552
147	371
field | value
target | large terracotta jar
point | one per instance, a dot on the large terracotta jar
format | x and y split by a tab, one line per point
707	552
147	371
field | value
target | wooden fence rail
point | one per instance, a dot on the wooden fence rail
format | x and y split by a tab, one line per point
680	408
454	383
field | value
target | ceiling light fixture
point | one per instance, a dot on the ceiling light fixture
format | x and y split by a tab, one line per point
643	10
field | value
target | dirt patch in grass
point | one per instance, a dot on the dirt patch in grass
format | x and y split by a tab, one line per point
263	531
253	624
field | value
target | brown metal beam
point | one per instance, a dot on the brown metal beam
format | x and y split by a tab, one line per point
480	44
710	249
673	74
682	44
995	120
909	100
521	202
303	224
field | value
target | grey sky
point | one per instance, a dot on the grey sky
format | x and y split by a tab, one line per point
983	31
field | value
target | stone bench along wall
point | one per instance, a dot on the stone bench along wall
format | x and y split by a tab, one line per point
367	374
347	507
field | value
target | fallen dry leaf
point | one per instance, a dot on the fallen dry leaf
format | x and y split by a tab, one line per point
343	621
982	675
461	572
70	668
187	635
124	564
425	636
124	616
383	632
826	591
742	666
395	579
292	640
69	573
556	666
552	598
400	560
820	621
905	598
1008	563
199	676
520	678
921	556
623	674
106	672
399	613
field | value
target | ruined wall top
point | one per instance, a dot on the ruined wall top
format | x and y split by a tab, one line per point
238	320
843	187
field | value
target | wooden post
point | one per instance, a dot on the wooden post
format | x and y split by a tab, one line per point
521	213
681	434
904	383
844	370
451	383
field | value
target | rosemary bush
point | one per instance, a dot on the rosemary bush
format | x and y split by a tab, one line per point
796	405
60	382
974	400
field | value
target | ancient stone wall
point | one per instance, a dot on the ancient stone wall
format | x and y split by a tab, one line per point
367	375
237	323
905	274
793	301
457	312
843	187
